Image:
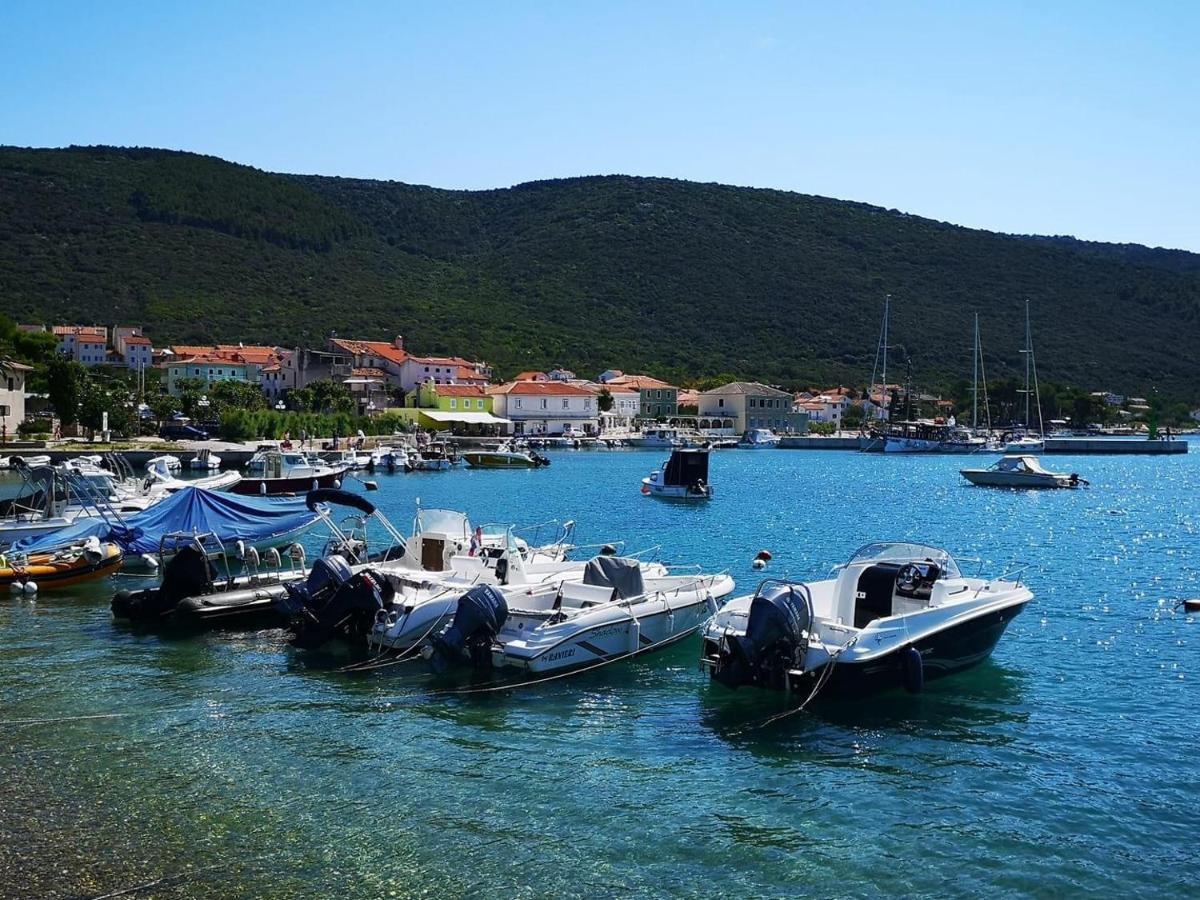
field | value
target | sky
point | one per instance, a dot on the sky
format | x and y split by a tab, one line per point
1025	117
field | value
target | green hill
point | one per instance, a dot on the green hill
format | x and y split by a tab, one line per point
672	277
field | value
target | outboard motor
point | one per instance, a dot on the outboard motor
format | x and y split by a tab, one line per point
775	641
333	600
187	574
477	620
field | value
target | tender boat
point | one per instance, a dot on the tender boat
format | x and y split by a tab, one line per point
758	439
682	477
272	472
87	560
505	457
896	615
1026	443
205	461
1021	471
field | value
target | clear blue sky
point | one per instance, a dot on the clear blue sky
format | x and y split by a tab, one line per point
1046	117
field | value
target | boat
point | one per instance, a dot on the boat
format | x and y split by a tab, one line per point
16	461
272	472
758	439
87	560
896	615
240	522
917	436
437	456
347	458
656	438
505	457
193	593
165	462
205	461
1022	440
682	477
1021	471
614	611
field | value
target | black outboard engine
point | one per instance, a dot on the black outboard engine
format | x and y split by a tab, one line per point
186	574
775	641
477	620
334	600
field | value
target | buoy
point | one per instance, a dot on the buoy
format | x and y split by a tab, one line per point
764	555
1192	604
758	563
262	488
914	669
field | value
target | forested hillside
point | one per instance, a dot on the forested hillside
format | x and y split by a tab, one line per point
677	278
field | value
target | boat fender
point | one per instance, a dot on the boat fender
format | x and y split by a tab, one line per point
150	560
30	587
758	564
262	488
914	669
635	635
15	587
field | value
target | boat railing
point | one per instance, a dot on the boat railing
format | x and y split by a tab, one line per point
1006	576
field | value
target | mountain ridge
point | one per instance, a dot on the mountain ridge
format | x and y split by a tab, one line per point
684	279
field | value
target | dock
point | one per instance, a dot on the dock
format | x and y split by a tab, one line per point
1116	445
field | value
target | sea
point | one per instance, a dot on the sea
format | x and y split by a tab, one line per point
232	765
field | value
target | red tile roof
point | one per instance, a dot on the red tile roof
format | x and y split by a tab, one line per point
235	353
81	330
541	388
530	376
458	390
368	372
137	339
640	382
382	349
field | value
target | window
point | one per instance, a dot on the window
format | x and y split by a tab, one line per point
518	403
566	403
453	403
10	384
479	404
721	402
543	403
587	403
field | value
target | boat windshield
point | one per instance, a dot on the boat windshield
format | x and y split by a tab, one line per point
443	521
496	535
901	551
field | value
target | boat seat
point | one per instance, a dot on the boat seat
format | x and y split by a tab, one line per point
576	595
874	592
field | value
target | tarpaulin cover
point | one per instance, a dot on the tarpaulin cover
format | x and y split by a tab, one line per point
229	516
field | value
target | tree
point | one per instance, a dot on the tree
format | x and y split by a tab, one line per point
605	401
65	383
229	395
853	418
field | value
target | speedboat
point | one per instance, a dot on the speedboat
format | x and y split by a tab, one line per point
896	615
16	461
613	611
505	457
272	472
682	477
435	457
654	438
1026	443
758	439
165	462
347	458
1020	471
205	460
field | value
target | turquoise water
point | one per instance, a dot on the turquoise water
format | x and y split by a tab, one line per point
231	765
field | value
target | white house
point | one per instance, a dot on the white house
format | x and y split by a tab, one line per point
546	407
12	396
407	371
86	344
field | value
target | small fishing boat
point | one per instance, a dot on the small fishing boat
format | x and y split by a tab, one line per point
505	457
87	560
1021	471
166	462
205	461
758	439
656	438
682	477
438	456
272	472
897	614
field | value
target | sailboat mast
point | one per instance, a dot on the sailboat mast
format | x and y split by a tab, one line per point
975	378
883	391
1028	354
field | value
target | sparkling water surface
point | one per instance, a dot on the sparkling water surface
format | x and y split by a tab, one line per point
230	765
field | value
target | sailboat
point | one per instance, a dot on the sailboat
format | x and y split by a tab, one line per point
1024	441
969	440
874	437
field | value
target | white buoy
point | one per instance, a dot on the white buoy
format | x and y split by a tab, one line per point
15	587
758	564
31	587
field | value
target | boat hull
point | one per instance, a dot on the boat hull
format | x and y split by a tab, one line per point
47	574
499	460
270	487
946	652
984	478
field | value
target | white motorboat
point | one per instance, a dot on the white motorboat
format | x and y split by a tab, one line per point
205	461
16	460
682	477
272	472
1021	471
896	615
437	456
347	458
758	439
656	438
505	457
166	462
1026	443
613	611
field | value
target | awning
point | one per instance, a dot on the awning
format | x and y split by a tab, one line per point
470	418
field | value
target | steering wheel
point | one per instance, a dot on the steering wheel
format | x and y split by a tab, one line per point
909	577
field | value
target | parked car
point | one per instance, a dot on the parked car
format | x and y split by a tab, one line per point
183	433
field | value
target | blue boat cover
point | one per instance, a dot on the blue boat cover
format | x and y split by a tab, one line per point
229	516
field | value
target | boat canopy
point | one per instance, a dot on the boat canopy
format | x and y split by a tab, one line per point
903	551
230	517
1019	464
621	574
686	468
